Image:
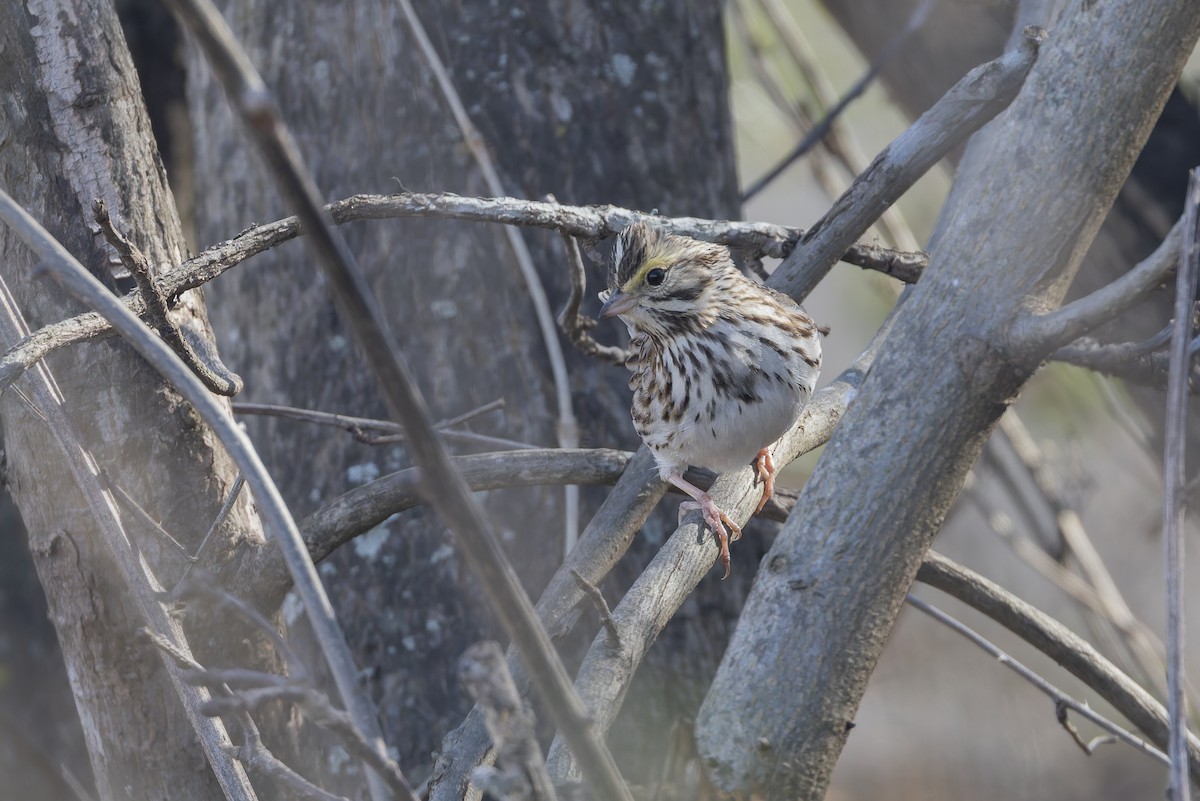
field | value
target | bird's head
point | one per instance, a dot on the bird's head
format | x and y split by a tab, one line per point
660	282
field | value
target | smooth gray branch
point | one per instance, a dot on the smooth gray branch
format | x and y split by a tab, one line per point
982	94
1045	333
1176	485
683	560
1062	701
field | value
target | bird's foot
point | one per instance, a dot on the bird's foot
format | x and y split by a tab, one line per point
716	520
766	474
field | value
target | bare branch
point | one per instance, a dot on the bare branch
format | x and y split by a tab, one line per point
1125	360
575	325
1136	637
207	367
590	223
218	521
359	426
683	561
212	735
597	599
982	94
840	141
87	289
603	542
1044	333
367	506
1062	701
1057	642
1175	479
484	671
360	310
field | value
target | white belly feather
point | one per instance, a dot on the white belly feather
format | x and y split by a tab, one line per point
722	424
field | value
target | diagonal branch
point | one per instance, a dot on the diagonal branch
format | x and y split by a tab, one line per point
982	94
445	488
1062	701
684	559
1175	478
47	400
1059	643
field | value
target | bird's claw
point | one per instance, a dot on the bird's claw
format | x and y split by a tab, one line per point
765	467
716	520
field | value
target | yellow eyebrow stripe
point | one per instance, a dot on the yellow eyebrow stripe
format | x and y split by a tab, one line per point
640	275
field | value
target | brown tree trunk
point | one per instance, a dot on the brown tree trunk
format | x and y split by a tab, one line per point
76	129
585	101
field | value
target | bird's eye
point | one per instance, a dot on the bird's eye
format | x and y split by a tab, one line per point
655	276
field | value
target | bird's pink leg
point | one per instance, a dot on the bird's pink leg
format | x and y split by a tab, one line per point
766	474
713	516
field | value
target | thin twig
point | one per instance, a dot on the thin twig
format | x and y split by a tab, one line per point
215	375
589	223
982	94
823	127
1062	701
1059	643
119	492
218	521
359	426
576	325
839	142
203	586
597	599
1068	529
1175	481
451	497
252	752
567	429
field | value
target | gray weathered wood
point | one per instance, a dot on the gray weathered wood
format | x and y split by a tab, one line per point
544	84
1028	199
75	129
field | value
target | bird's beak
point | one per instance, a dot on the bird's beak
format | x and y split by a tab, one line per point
618	303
